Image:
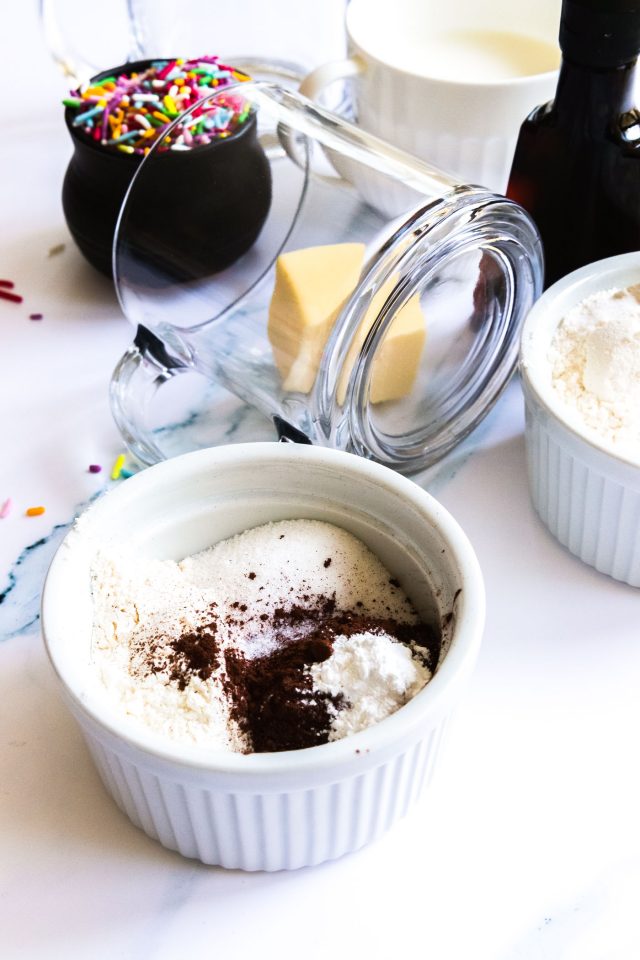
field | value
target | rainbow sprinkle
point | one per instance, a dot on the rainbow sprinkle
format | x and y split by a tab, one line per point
95	468
6	286
5	509
116	470
131	112
34	511
11	297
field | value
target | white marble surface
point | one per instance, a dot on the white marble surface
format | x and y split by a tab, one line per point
528	844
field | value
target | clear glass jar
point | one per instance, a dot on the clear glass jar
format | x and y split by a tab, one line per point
423	334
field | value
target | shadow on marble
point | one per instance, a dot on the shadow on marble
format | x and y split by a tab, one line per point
79	878
52	794
493	505
54	805
83	879
597	921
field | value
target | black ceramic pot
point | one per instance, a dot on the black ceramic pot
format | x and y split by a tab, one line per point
191	214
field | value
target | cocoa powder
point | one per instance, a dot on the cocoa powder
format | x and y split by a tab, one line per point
271	697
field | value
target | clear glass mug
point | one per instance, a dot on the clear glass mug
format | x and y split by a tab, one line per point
393	346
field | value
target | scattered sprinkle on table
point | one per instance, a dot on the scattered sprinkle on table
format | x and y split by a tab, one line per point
95	468
34	511
125	474
117	467
5	509
7	283
54	251
35	316
131	112
12	297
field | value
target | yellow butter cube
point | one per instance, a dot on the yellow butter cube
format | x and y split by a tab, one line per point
311	288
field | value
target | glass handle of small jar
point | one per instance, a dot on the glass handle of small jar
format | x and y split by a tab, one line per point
282	72
278	71
310	87
141	371
66	54
323	76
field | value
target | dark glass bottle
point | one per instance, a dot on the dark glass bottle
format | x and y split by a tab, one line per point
576	168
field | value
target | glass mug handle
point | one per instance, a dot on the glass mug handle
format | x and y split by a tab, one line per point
311	87
73	63
141	371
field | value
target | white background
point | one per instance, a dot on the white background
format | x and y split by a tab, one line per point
528	843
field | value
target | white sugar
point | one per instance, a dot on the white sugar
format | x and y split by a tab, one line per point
294	562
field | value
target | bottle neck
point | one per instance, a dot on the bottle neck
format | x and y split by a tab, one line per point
598	93
601	33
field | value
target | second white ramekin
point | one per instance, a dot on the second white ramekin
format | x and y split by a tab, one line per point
588	497
296	808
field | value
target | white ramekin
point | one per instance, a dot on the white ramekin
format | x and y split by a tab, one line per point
280	810
587	496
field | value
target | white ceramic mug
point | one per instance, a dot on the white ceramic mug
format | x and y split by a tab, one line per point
450	83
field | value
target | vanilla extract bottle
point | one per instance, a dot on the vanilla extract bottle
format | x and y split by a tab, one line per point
576	167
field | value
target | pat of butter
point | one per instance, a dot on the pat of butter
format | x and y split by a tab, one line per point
310	289
397	359
311	286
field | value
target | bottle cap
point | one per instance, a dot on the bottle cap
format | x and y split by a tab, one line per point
600	33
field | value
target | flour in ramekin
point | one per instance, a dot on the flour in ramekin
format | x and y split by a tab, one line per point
595	367
144	603
183	647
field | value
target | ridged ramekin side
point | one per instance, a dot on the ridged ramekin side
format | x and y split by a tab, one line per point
271	829
589	501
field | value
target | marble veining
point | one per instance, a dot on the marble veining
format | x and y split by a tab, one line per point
20	600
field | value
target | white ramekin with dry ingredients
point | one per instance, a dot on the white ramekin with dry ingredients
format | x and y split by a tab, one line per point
259	810
580	367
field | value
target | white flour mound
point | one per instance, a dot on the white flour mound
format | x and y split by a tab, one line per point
142	606
595	367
